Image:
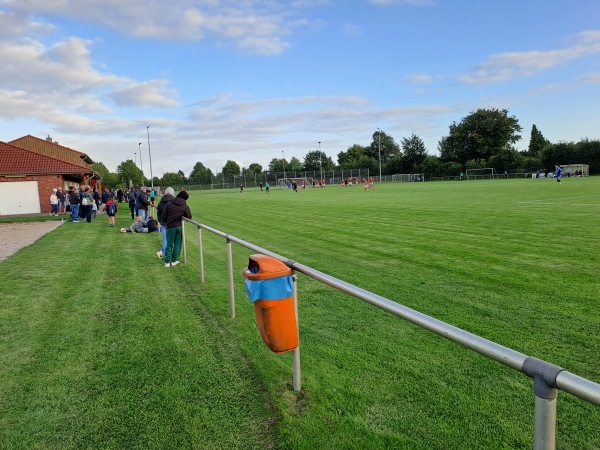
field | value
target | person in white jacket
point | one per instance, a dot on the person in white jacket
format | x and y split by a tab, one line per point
54	203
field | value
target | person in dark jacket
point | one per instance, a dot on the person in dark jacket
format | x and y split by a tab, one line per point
141	203
74	204
171	216
163	226
132	198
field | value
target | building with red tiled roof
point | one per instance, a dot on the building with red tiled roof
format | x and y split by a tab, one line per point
49	148
28	177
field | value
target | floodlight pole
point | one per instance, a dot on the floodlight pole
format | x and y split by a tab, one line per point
135	158
150	155
320	163
141	165
379	135
283	153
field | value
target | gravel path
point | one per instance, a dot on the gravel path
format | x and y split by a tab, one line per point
14	236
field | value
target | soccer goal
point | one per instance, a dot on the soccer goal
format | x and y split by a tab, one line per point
489	173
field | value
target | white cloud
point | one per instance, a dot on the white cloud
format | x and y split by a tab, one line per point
252	25
418	78
152	94
510	65
591	78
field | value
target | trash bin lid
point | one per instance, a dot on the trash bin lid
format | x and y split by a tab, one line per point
263	267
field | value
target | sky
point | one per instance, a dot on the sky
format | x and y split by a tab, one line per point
208	81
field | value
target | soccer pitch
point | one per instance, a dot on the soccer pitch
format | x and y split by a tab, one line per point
513	261
103	347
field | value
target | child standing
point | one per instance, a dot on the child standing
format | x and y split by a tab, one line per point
111	211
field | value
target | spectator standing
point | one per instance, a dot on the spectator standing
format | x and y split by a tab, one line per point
132	199
120	195
172	215
141	203
163	226
87	202
74	204
62	206
54	203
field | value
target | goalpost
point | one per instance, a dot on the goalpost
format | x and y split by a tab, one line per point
488	173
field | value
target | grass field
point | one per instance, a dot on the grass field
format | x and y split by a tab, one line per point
102	347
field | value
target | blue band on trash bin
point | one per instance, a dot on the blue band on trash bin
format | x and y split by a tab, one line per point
272	289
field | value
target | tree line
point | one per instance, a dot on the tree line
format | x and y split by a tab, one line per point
484	138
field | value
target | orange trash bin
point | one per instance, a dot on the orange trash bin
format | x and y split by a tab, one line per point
270	288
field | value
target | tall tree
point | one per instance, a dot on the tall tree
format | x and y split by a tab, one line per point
295	165
414	151
349	158
317	159
128	171
254	168
173	179
231	168
389	148
481	135
277	165
200	174
537	142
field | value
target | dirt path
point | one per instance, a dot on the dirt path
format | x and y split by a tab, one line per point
14	236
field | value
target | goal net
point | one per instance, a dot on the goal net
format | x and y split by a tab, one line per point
481	174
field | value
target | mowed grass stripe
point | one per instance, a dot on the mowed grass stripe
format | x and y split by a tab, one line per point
467	252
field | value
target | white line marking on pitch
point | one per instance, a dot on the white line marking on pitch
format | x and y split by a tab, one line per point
560	198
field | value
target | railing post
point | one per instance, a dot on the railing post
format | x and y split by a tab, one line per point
544	387
183	240
231	291
201	254
296	373
545	416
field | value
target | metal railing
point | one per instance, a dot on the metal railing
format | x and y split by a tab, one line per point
547	378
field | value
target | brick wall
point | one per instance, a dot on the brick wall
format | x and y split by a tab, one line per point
45	185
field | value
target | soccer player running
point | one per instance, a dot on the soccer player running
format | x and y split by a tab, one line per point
558	173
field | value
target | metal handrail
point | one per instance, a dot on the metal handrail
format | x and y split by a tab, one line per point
547	377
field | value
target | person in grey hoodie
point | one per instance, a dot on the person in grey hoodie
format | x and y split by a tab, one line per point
141	203
172	215
163	226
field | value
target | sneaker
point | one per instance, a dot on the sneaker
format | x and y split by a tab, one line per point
76	221
168	264
174	263
159	254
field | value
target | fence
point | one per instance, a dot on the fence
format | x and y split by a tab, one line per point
547	378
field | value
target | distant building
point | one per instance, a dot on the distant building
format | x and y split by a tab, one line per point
31	167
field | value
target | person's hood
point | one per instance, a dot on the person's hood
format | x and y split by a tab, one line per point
179	201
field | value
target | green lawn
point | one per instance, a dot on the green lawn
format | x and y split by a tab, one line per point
103	347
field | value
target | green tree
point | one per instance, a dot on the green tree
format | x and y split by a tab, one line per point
349	159
254	168
173	179
481	135
101	170
231	168
200	174
389	148
414	151
316	160
537	142
277	165
128	171
295	165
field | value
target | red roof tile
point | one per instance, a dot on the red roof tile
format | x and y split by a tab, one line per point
53	150
16	161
